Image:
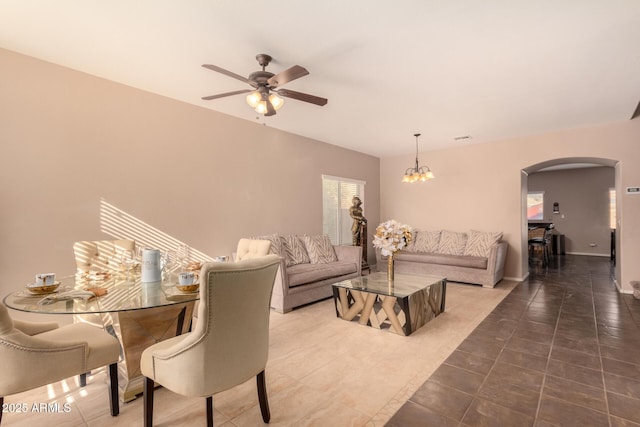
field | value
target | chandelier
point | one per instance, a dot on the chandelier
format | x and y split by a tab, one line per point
417	173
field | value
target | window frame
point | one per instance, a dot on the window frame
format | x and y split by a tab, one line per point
338	235
541	214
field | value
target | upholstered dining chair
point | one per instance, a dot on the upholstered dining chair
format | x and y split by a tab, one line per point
99	254
229	344
37	354
246	249
251	248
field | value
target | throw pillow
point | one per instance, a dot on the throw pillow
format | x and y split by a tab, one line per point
479	243
294	250
427	241
320	249
452	243
276	244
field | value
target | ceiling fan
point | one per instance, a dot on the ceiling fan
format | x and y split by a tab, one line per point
266	87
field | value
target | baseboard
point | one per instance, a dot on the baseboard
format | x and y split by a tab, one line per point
588	254
517	279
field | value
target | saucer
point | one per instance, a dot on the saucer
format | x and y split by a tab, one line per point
36	289
187	289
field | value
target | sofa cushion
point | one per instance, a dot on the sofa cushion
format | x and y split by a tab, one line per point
452	243
320	249
426	241
276	244
294	250
442	259
479	243
308	273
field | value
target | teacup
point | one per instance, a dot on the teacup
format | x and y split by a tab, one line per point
186	278
44	279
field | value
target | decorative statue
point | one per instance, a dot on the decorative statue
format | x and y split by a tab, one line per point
359	230
358	220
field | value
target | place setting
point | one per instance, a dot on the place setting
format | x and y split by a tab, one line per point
186	284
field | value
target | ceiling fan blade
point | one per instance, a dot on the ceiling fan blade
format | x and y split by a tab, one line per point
287	75
222	95
302	97
225	72
637	112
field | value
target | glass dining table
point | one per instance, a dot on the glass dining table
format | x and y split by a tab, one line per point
138	314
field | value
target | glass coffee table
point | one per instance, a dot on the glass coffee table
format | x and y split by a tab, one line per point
401	306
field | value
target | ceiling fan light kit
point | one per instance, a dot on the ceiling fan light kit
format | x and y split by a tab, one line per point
417	173
266	98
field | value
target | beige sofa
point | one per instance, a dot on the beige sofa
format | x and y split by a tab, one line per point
309	265
474	257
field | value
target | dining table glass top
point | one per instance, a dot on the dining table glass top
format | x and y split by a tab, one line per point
124	292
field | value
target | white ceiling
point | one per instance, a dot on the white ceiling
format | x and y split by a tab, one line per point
491	69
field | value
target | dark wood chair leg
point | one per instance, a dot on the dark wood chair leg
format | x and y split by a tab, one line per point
83	380
262	397
147	393
114	399
210	411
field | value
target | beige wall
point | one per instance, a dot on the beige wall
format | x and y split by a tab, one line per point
583	197
69	140
479	186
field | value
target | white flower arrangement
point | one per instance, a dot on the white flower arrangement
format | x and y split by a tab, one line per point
391	236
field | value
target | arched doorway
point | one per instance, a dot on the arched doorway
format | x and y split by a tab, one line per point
568	163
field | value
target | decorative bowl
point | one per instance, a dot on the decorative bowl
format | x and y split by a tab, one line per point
42	289
188	288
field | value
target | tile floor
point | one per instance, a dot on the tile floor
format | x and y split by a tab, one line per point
322	371
562	349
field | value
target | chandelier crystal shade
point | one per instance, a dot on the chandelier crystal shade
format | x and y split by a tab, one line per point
417	173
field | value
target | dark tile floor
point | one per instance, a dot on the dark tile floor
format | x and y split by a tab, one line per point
562	349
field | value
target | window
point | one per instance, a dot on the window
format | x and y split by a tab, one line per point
612	208
337	195
535	205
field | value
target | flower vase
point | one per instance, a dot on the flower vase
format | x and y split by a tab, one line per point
390	267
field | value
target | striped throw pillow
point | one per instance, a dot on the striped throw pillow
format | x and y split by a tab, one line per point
294	250
479	243
426	241
320	249
452	243
276	244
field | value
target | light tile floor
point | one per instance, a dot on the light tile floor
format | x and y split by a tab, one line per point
322	371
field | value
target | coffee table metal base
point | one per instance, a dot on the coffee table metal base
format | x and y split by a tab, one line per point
401	315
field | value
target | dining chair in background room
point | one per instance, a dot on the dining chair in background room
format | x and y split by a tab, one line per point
36	354
540	243
222	353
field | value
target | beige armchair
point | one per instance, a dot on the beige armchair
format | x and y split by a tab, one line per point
37	354
222	353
